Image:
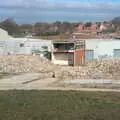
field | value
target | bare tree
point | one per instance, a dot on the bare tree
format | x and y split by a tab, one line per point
11	26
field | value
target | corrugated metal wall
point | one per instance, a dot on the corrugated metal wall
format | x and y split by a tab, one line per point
2	44
12	45
89	54
79	57
103	48
116	53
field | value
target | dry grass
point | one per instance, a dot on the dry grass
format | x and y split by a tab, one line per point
59	105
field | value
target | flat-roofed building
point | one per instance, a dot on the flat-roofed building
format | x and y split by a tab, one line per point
68	52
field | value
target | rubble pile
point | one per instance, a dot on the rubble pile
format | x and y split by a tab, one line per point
110	68
96	69
24	64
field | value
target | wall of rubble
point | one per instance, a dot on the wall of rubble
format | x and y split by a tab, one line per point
25	64
96	69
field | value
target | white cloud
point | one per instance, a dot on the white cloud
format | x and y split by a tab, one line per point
27	8
46	5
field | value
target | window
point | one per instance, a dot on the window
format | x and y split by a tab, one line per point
21	45
45	48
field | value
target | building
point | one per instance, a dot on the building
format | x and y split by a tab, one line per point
68	52
72	52
4	34
102	48
24	46
103	27
81	27
94	27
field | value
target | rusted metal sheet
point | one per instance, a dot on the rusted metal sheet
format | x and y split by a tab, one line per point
79	57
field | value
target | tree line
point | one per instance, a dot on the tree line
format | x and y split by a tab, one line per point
43	29
39	28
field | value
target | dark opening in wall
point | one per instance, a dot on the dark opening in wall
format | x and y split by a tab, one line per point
21	45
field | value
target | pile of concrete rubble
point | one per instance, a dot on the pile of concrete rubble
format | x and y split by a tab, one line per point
96	69
24	64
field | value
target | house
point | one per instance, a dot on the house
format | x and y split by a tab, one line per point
81	27
94	27
68	52
104	26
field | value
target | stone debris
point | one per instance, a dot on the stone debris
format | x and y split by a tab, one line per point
25	64
96	69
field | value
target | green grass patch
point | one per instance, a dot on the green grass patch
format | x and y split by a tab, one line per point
7	75
59	105
3	75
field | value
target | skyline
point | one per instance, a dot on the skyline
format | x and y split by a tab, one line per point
31	11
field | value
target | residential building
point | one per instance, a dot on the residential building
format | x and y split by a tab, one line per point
81	27
94	27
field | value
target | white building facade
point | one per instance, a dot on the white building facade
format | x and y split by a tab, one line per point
23	45
4	34
102	48
95	48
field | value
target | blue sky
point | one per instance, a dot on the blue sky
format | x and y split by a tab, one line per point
31	11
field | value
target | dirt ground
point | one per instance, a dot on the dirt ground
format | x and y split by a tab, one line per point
33	81
29	72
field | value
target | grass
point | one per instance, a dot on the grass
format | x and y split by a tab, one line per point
3	75
6	75
59	105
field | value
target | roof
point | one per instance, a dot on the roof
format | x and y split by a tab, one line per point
4	34
69	41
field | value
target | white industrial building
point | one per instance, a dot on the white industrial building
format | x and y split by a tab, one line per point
102	48
9	45
4	34
23	45
94	48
